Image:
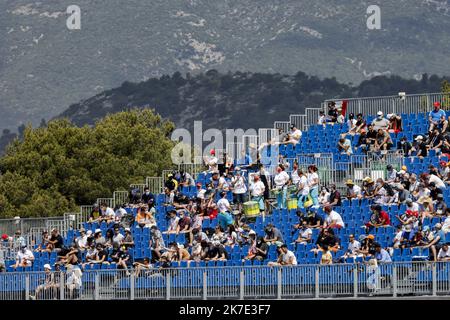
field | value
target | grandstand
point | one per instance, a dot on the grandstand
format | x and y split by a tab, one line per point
411	270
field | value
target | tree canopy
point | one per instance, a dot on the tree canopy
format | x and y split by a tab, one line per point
55	168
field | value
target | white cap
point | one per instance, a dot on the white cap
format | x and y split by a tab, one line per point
127	229
47	266
252	232
419	138
98	230
89	232
380	113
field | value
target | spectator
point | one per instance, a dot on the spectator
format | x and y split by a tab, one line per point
345	146
313	219
118	237
438	240
391	173
326	258
145	218
382	255
56	241
95	214
437	117
239	187
368	245
81	241
281	180
371	137
302	191
109	238
48	285
435	141
335	197
351	122
295	135
273	235
145	265
446	224
74	282
123	259
440	205
352	249
363	141
395	123
384	192
324	196
286	257
257	190
258	249
322	120
44	242
156	243
107	213
332	112
444	253
212	161
379	218
380	122
420	148
359	126
408	221
147	197
353	191
313	184
98	237
304	234
383	142
223	204
173	222
412	206
326	238
24	257
333	219
368	188
404	146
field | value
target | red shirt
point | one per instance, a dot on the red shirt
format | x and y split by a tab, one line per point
385	216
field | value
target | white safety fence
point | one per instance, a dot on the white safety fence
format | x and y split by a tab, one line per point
250	282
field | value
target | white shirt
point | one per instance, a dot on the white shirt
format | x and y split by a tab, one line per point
257	188
281	179
285	257
304	181
173	223
311	177
223	182
82	241
118	238
25	255
201	194
437	181
294	176
296	135
357	190
414	207
322	119
109	212
443	254
212	164
223	205
239	185
305	234
120	213
353	246
446	223
336	217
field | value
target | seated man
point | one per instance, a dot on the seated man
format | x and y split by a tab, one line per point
437	118
48	285
444	253
304	234
24	257
286	258
145	265
345	146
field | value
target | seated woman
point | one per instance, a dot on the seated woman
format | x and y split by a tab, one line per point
395	123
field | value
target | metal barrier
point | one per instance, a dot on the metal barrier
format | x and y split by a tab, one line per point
299	120
120	197
86	212
267	135
108	201
283	125
421	278
155	184
412	103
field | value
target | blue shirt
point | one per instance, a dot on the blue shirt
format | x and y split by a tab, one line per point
437	115
383	256
225	219
441	235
